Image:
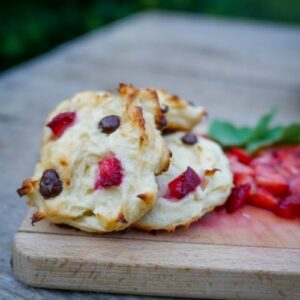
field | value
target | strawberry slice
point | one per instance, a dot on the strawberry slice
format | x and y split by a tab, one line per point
289	207
240	179
184	184
238	167
294	185
110	173
238	197
264	199
61	122
274	183
241	155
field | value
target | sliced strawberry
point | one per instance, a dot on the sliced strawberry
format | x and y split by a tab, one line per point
294	185
264	199
238	197
265	158
61	122
239	179
184	184
241	155
238	167
274	183
220	207
110	173
289	207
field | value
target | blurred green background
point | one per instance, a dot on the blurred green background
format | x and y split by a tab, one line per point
29	28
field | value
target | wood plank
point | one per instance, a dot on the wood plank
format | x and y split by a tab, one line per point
160	268
249	226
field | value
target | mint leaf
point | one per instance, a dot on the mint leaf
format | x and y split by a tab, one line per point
227	134
270	137
262	126
252	139
291	134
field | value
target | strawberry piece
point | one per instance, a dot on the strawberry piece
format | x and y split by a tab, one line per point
110	173
289	207
61	122
240	179
238	197
220	207
241	155
274	183
264	199
238	167
184	184
294	185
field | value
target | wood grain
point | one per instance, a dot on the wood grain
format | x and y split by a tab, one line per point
156	268
249	226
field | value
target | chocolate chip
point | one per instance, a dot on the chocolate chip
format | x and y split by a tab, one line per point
109	124
162	124
50	184
189	139
164	109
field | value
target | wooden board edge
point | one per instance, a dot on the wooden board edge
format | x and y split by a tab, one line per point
164	269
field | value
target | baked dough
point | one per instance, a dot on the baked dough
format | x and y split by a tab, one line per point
73	159
207	159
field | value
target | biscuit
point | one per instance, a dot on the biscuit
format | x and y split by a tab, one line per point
198	180
180	115
99	156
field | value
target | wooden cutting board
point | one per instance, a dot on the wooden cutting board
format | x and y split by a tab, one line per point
251	254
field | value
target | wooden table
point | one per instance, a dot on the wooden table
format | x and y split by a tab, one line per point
234	69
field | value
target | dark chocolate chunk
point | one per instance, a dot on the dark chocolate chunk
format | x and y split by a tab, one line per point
109	124
50	184
164	109
189	139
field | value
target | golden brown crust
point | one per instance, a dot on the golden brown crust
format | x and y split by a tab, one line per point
27	187
37	216
148	198
211	172
147	97
165	163
121	218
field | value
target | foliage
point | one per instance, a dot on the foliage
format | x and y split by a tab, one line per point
252	139
31	27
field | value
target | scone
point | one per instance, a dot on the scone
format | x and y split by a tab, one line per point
198	180
180	114
99	158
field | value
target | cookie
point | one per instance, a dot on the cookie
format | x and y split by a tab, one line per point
99	157
179	114
198	180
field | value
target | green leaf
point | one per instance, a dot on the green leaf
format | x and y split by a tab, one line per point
252	139
262	126
270	137
291	134
227	134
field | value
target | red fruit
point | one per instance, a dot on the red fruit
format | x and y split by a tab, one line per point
274	183
61	122
238	167
241	155
289	207
238	197
294	185
264	199
110	173
240	179
220	207
184	184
